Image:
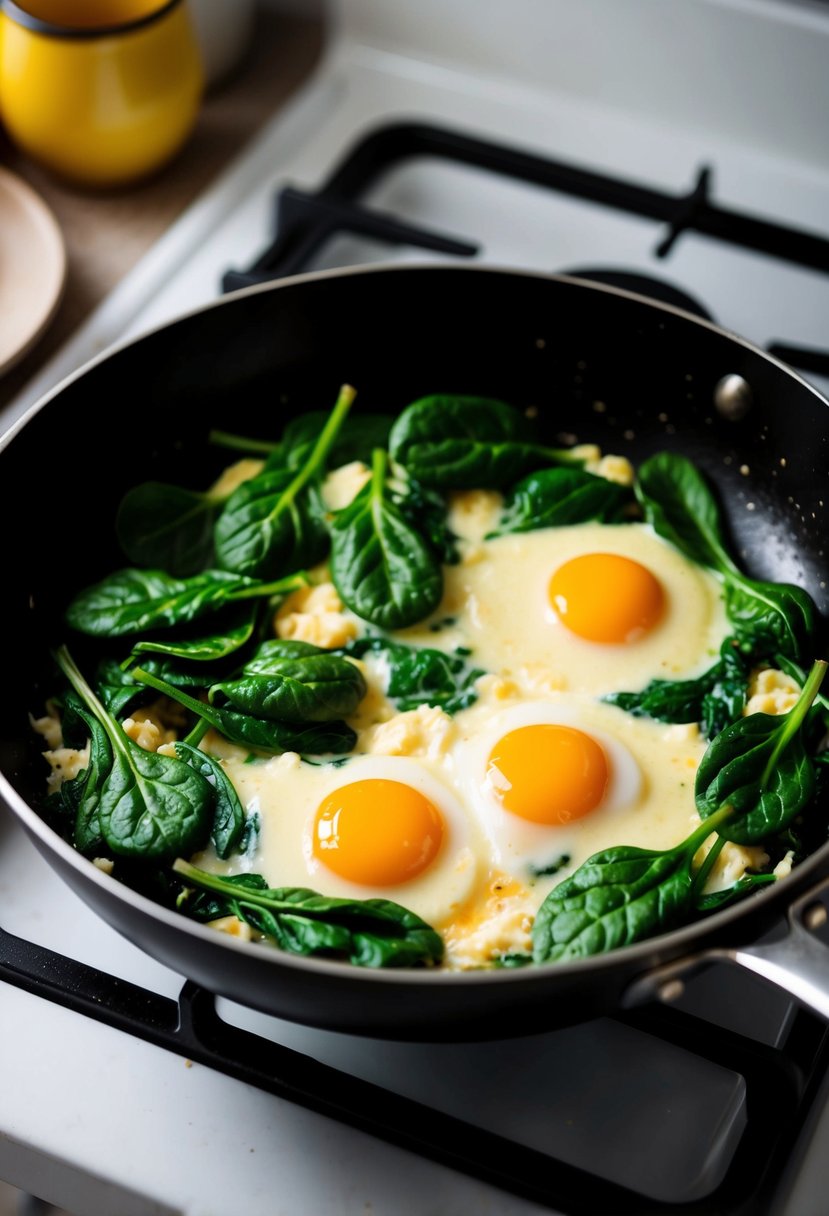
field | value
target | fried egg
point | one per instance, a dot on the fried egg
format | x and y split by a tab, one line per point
373	827
603	607
536	772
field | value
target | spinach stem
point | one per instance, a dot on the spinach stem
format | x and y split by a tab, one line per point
795	716
320	450
169	690
75	677
708	863
197	733
291	582
239	443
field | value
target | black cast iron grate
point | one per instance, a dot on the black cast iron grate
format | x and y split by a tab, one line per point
781	1084
304	221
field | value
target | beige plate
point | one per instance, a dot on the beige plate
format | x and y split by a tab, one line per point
32	268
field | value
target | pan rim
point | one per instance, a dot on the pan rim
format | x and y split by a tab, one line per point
407	268
666	945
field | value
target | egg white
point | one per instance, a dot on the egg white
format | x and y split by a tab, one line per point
286	793
520	846
497	598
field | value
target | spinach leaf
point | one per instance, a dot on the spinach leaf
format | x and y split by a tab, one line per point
334	738
420	675
714	900
425	510
148	805
617	897
769	616
714	699
759	769
293	681
80	795
681	508
369	933
116	687
359	435
381	567
237	631
228	812
554	498
460	442
164	525
138	601
270	523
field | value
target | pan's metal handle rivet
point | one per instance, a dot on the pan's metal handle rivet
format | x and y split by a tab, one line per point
671	990
815	917
733	397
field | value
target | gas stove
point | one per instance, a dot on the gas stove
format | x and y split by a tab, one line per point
677	151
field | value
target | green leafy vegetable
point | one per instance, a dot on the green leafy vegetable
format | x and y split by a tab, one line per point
292	681
554	498
139	601
420	675
714	699
164	525
228	812
754	778
459	442
359	435
759	768
381	567
317	738
679	505
271	523
81	794
147	805
237	633
369	933
617	897
425	510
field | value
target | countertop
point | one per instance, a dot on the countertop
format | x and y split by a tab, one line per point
107	232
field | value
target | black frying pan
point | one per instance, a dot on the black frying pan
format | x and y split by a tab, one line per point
254	359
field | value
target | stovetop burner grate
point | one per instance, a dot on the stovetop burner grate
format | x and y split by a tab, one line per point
305	221
780	1085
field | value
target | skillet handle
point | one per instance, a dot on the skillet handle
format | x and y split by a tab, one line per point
798	963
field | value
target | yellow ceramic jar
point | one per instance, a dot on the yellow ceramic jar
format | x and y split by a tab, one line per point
101	91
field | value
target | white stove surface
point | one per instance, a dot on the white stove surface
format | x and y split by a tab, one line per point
104	1123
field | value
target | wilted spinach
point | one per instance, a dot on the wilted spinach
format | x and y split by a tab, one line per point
555	498
272	523
140	601
254	730
382	568
142	804
475	443
714	699
677	502
760	769
752	781
292	681
421	675
228	813
369	933
158	524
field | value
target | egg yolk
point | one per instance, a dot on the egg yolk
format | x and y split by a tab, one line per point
603	597
377	832
549	774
